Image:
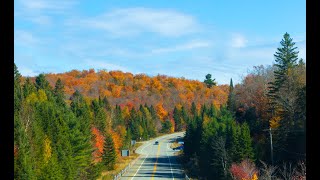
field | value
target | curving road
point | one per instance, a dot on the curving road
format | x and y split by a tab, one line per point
156	161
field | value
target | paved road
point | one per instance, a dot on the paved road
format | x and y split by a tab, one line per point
156	161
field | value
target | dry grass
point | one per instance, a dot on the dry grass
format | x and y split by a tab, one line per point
122	162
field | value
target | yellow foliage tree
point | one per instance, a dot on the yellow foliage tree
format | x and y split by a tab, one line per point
32	98
47	149
172	125
42	95
275	122
254	177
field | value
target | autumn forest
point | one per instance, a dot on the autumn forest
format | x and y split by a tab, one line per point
73	125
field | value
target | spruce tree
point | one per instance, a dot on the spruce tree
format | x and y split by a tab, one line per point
231	103
80	134
42	83
17	89
283	95
59	92
28	88
235	150
109	153
212	111
194	109
246	142
286	58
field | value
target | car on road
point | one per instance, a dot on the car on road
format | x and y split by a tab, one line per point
178	148
156	143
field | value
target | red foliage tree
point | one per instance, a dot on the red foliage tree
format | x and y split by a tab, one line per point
246	170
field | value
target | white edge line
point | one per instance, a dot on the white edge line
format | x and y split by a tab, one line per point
139	167
148	155
170	164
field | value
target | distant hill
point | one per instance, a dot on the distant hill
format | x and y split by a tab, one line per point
126	89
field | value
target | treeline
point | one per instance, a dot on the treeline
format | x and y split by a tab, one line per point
77	140
127	89
234	142
213	141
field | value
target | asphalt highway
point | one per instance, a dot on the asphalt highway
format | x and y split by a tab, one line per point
156	161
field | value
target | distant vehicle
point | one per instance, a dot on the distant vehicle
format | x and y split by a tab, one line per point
178	148
156	143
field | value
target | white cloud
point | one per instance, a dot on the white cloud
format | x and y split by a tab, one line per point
238	41
133	21
41	19
181	47
25	71
101	64
34	5
252	55
24	38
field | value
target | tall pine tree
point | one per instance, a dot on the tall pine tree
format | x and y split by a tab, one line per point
109	153
231	103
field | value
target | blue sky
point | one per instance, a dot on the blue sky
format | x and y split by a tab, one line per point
177	38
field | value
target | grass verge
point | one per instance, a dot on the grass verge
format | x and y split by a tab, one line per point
122	162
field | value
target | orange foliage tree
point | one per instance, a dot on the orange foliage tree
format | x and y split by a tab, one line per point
161	112
98	140
117	141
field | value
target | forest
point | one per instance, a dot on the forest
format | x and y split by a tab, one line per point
73	125
260	133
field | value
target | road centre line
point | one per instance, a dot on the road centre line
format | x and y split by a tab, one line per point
155	164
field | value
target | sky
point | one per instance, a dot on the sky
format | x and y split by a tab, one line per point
176	38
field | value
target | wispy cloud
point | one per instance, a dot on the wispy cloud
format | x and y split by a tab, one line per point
251	55
41	20
238	41
24	38
41	12
53	5
134	21
103	64
182	47
25	71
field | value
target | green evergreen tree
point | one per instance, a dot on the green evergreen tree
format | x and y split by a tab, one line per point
246	143
59	93
106	104
231	103
17	89
42	83
166	126
283	95
193	109
184	115
209	82
80	135
109	156
212	111
28	88
285	57
236	147
177	119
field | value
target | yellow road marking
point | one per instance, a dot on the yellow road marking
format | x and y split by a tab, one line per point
155	165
